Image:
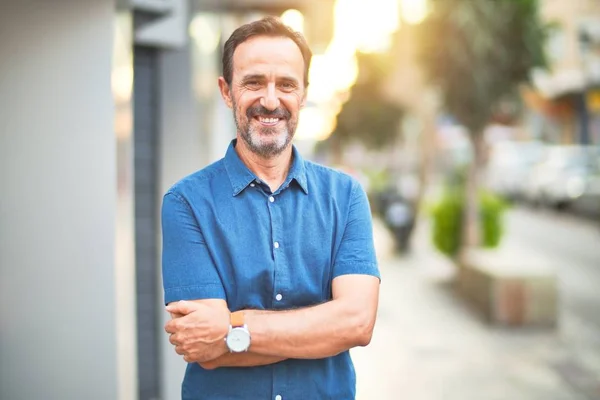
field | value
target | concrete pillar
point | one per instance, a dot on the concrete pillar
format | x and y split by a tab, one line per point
58	202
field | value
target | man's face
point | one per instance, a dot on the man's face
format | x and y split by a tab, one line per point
266	93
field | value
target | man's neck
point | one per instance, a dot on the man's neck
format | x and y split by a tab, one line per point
272	171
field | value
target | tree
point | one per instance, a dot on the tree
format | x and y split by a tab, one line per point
477	53
368	117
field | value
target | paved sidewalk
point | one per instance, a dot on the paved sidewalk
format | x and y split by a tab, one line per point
428	346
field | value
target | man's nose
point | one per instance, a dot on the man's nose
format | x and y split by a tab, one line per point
270	101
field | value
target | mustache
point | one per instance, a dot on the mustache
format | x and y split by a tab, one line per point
260	110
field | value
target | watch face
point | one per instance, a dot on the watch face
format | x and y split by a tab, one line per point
238	340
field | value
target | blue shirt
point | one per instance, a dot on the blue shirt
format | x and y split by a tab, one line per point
227	236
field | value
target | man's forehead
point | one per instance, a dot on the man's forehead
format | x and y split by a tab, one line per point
268	56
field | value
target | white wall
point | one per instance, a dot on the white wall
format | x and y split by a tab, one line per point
57	201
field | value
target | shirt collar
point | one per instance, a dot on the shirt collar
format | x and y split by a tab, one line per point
298	170
240	176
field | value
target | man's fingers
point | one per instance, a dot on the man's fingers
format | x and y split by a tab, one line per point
172	340
171	326
181	307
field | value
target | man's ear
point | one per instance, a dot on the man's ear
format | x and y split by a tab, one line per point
225	92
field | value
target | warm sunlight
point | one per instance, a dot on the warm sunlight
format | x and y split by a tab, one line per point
331	73
315	123
413	11
358	26
366	25
204	32
294	19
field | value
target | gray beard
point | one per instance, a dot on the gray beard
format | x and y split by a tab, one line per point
264	149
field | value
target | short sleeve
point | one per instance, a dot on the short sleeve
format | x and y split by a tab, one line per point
356	254
188	270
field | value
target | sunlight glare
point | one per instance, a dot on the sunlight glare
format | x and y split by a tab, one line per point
358	26
294	19
366	25
314	123
413	11
202	29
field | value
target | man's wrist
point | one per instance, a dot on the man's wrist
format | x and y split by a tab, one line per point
238	337
222	345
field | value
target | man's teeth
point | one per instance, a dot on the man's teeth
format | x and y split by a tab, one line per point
268	120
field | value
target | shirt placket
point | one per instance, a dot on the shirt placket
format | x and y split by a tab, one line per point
280	276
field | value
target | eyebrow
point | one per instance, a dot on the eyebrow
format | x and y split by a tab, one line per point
260	77
253	77
289	79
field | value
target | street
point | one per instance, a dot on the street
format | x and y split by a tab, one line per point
428	345
574	245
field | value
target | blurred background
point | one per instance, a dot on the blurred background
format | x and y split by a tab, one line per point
473	125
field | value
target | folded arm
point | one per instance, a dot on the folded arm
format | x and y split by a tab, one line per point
221	357
315	332
321	331
247	359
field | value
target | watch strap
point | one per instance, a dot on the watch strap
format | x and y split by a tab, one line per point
236	319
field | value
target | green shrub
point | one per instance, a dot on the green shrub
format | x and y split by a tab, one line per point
448	216
492	212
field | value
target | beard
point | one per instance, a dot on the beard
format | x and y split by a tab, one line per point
265	141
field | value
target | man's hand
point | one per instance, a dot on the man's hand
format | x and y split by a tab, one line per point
199	334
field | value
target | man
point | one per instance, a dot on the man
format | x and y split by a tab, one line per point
269	267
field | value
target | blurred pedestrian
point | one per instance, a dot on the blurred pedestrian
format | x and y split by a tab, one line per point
269	267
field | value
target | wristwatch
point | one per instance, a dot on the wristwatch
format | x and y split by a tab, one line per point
238	338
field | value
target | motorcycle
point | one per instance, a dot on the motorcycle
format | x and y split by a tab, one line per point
399	217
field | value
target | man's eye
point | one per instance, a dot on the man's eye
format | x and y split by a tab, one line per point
253	84
287	85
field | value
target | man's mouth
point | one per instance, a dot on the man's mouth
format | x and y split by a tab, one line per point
267	121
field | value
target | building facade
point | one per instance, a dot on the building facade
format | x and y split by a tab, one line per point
566	101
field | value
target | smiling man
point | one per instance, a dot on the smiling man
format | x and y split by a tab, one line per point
269	268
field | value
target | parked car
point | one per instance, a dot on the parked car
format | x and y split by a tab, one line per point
563	175
586	194
509	165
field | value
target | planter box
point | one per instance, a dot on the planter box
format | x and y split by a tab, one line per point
510	286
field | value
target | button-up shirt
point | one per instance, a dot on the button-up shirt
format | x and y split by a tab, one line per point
227	236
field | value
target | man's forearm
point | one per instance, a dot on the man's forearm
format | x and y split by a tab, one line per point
241	360
315	332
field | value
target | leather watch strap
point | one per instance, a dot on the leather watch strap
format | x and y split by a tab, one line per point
237	319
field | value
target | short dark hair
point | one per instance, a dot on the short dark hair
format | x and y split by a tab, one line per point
268	26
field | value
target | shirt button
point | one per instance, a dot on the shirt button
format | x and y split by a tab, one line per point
278	298
276	244
271	199
278	397
252	184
